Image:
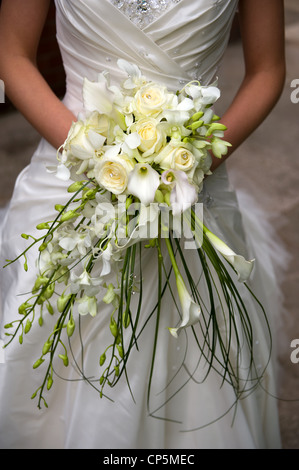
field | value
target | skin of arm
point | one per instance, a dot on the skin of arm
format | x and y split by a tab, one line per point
21	25
262	30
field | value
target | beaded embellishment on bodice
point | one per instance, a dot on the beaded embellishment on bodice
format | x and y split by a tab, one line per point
143	12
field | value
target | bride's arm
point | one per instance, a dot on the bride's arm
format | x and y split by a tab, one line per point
21	25
262	30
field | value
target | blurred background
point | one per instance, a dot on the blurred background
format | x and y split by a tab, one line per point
265	166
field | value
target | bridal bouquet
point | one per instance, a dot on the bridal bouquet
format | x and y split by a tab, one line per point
136	162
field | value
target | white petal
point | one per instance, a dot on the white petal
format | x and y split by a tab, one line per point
97	140
63	173
241	265
143	182
112	151
131	69
97	97
133	140
68	243
210	94
185	105
190	310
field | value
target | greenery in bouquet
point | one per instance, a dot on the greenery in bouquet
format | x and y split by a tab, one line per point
136	162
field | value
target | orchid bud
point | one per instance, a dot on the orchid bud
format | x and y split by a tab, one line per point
49	383
197	116
216	126
28	326
43	226
43	246
129	201
40	281
68	216
102	360
113	327
47	347
73	188
22	308
62	302
159	196
64	359
59	207
195	125
90	194
167	198
50	309
70	327
120	350
38	363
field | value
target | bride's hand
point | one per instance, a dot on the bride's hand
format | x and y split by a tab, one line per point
21	25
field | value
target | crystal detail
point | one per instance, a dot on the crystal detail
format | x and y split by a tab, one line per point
143	12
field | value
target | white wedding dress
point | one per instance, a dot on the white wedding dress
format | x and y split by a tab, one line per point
172	45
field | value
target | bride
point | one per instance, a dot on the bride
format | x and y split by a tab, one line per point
172	42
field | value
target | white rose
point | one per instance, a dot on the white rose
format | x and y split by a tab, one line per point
112	173
176	158
86	138
152	137
152	99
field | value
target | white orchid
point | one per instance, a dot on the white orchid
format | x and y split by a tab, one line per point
183	193
61	171
202	95
84	281
135	77
87	305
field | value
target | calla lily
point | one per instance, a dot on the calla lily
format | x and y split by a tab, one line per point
143	183
239	263
183	194
190	310
97	96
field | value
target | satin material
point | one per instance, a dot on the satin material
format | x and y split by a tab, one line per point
189	39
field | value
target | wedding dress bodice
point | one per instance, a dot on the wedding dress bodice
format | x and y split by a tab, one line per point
183	40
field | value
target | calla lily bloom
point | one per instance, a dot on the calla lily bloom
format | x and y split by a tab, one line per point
144	182
239	263
97	96
190	310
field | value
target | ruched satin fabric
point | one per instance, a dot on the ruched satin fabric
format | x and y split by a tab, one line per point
186	42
